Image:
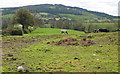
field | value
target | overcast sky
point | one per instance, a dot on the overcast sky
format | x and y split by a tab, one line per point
106	6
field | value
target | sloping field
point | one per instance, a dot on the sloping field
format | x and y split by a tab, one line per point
78	17
52	31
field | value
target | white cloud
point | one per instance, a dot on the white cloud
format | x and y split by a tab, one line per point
106	6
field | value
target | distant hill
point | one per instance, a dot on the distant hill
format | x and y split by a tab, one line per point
61	11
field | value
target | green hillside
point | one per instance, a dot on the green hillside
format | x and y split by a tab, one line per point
60	9
78	17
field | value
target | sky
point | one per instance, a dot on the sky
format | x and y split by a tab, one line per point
107	6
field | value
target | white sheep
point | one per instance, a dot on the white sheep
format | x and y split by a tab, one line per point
20	67
64	31
20	26
32	28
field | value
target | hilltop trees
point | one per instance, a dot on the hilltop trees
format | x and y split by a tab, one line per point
24	17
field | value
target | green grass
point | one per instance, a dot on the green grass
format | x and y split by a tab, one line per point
35	55
52	7
52	31
78	17
44	13
1	9
8	16
104	20
109	26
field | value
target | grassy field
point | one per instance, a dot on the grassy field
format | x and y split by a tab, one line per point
36	53
8	16
109	26
52	31
76	17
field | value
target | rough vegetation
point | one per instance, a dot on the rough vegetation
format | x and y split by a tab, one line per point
96	52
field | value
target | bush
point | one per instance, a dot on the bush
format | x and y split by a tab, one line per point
6	32
17	32
14	31
30	29
26	31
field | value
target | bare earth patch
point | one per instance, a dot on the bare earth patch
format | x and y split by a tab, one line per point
73	42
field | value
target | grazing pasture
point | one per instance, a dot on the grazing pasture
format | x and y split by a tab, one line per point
8	16
109	26
52	31
37	52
